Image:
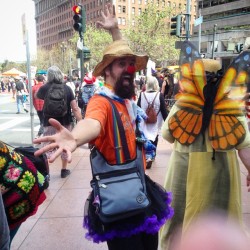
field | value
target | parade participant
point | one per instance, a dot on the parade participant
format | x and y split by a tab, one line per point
55	77
38	103
71	84
118	67
88	90
20	94
207	127
152	95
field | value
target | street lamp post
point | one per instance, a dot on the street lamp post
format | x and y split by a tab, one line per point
215	27
63	48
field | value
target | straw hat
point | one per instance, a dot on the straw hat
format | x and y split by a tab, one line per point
119	49
211	65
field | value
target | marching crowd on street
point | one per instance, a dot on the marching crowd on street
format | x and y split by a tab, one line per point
121	118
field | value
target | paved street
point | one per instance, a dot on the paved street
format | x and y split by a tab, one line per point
15	128
58	223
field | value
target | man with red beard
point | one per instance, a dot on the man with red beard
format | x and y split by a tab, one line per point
118	68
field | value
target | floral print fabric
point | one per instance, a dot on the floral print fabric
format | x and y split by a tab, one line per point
21	185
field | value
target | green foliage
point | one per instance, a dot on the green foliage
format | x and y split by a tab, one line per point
62	55
150	35
7	65
96	40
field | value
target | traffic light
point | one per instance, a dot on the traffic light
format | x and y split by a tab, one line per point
78	18
183	25
175	26
86	53
239	47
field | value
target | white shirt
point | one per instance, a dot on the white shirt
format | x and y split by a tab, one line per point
151	130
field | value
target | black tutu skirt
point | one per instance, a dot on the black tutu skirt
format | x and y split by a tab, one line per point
149	221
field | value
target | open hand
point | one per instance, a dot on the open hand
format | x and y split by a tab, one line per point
109	21
62	141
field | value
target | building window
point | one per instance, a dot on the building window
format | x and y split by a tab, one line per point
146	2
123	9
133	10
133	1
169	4
139	11
119	8
133	22
139	1
119	21
123	21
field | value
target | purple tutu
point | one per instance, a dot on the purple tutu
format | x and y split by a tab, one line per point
149	221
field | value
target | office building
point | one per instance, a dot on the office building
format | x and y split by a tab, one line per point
54	23
225	30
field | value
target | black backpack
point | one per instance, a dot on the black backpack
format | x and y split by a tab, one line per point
19	86
55	101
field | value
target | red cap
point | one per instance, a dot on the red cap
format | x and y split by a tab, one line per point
89	80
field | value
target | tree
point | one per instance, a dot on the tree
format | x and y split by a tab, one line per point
42	60
62	56
96	40
149	34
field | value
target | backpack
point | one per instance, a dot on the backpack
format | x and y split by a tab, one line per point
150	111
87	92
55	101
19	86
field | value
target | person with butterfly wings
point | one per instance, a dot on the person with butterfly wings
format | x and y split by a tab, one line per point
207	126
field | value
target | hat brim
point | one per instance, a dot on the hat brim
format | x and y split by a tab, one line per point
140	63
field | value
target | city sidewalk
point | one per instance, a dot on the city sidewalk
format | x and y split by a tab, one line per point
58	223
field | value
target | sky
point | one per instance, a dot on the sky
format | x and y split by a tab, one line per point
11	42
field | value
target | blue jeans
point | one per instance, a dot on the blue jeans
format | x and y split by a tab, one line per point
19	101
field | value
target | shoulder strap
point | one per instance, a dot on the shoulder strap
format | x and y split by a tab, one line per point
119	135
145	97
154	98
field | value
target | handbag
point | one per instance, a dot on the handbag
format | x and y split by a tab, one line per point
119	190
40	162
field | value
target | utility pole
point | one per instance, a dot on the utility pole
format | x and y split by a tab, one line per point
63	48
26	43
214	32
188	20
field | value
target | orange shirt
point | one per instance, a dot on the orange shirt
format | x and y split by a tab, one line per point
100	109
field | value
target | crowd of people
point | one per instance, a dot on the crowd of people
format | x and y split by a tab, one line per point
206	126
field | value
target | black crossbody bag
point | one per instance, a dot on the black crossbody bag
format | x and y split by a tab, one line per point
119	190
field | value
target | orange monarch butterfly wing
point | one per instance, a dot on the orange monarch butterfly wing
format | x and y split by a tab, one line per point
225	130
185	124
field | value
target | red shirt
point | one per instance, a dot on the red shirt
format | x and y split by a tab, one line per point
38	103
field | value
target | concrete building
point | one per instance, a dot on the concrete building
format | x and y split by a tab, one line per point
225	27
54	23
